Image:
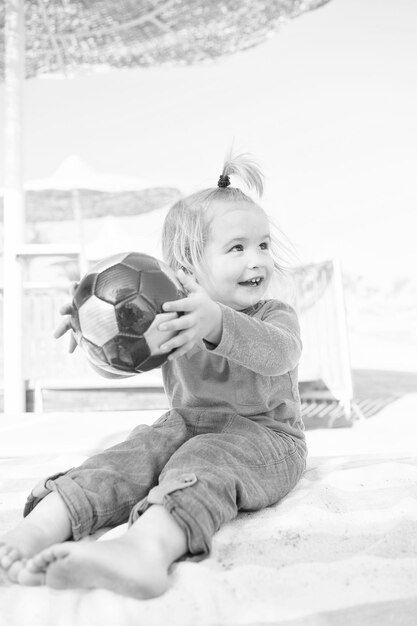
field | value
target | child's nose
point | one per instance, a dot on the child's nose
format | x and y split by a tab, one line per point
254	260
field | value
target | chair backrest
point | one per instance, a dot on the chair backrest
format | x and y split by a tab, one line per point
320	305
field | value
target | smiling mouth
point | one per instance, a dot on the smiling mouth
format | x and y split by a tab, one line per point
252	282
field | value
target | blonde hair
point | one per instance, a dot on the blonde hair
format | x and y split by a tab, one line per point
186	226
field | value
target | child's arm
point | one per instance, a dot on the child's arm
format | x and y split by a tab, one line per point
270	346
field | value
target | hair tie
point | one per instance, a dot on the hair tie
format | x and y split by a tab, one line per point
224	181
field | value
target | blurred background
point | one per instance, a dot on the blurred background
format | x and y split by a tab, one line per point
326	104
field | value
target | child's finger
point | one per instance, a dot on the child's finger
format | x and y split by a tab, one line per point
184	305
178	340
181	351
62	328
66	309
188	281
162	318
72	344
154	336
177	323
73	288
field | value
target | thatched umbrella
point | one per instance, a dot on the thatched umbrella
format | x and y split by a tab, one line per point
67	36
77	192
52	198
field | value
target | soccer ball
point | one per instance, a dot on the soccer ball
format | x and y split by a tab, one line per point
113	306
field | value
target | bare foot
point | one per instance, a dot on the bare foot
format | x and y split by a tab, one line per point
19	544
118	565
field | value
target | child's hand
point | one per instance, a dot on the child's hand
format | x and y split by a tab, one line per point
155	337
65	325
202	318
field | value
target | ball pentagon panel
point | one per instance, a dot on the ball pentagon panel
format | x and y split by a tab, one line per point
134	316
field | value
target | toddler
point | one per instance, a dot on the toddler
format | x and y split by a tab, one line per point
233	439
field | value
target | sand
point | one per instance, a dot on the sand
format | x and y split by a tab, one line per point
341	549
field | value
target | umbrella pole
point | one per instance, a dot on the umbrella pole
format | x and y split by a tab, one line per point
78	218
14	209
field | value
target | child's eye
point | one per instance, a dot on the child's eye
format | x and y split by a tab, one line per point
264	245
237	248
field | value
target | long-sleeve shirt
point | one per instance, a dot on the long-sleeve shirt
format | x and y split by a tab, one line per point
251	372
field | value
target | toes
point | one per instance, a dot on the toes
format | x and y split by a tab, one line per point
14	569
4	577
8	556
41	561
25	577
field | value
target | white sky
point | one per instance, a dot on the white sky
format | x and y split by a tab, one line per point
328	106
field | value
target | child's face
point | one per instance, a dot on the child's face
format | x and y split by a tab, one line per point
237	255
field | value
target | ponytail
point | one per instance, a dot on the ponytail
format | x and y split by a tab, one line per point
244	167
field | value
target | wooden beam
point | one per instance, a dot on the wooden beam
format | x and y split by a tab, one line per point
14	208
